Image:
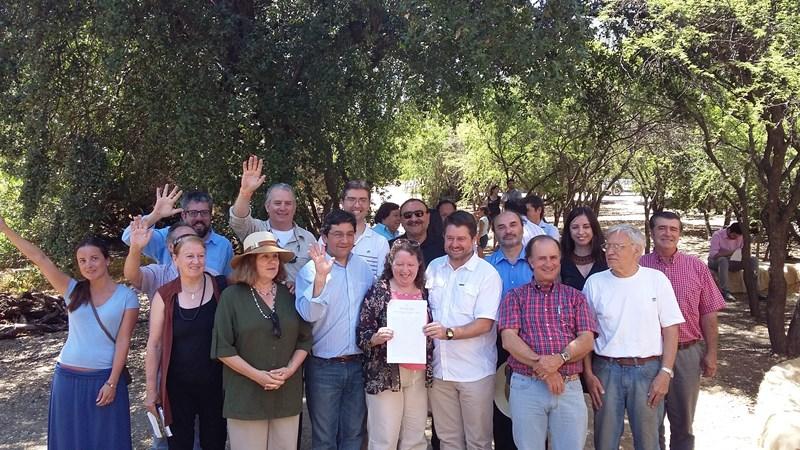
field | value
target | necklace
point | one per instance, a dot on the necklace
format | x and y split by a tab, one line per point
197	310
192	293
271	292
258	303
582	260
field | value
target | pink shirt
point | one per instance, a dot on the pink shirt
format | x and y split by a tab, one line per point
694	288
721	241
401	296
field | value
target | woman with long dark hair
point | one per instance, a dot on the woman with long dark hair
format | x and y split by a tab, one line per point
89	406
581	247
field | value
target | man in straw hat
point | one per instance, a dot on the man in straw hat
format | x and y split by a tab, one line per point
329	293
548	328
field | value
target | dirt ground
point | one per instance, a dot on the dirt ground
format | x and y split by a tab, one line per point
724	418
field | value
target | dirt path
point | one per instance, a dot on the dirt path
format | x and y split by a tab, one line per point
724	416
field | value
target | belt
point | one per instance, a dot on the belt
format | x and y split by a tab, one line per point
567	378
687	344
344	358
630	361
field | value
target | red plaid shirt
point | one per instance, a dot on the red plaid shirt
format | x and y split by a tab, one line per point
694	287
547	320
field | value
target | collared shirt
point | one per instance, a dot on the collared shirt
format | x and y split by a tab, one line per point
631	312
529	231
548	320
432	247
156	275
299	243
372	248
694	287
458	297
721	241
384	231
219	250
549	229
334	313
513	273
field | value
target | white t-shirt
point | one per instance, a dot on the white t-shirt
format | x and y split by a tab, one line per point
372	247
631	312
283	237
483	226
458	297
529	231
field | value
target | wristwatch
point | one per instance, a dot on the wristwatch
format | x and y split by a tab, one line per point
668	371
450	334
565	356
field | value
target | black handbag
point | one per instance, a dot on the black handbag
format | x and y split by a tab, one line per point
126	374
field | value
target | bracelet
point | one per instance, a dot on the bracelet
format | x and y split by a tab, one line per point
668	371
110	384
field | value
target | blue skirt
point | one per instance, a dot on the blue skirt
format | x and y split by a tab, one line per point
76	422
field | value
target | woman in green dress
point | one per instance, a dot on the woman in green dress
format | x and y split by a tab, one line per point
262	341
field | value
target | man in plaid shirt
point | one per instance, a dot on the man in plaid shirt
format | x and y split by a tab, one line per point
699	300
547	327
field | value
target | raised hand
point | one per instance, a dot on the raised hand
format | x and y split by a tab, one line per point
140	233
165	203
251	174
322	264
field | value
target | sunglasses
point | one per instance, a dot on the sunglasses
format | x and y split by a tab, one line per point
418	213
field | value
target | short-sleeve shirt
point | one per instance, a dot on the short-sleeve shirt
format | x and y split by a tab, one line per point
548	320
694	287
458	297
219	250
87	345
240	329
631	312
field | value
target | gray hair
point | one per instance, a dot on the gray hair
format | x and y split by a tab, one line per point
633	233
279	186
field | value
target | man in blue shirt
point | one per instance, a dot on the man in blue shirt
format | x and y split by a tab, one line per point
195	210
329	292
509	261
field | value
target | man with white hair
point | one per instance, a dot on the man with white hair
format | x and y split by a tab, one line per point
634	353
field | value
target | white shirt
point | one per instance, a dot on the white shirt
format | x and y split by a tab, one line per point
631	312
529	231
283	237
372	248
458	297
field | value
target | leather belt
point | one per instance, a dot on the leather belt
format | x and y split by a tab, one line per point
573	377
687	344
344	358
630	361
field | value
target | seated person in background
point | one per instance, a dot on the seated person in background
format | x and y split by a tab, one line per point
725	256
387	220
195	210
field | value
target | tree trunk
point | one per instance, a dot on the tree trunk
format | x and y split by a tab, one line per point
776	303
646	227
707	221
750	281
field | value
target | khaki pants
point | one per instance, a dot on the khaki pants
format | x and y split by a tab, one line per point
396	420
463	413
275	434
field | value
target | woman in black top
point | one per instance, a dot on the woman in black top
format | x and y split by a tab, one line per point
493	203
581	247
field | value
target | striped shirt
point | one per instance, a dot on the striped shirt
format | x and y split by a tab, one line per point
548	320
694	287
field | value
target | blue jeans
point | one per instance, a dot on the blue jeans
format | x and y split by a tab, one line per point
536	412
336	403
626	389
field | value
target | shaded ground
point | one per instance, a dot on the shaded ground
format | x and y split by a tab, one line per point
725	409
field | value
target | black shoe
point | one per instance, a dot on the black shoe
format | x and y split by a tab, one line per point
729	297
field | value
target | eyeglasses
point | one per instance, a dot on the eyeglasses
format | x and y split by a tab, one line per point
615	247
418	213
194	213
363	200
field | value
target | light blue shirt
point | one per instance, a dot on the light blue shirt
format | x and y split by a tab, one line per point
219	250
550	229
87	345
513	273
384	231
334	313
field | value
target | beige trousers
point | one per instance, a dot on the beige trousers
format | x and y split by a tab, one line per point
396	420
463	412
274	434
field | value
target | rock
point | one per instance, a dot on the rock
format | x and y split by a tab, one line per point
778	407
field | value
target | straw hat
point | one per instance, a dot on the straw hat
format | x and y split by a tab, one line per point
501	390
262	242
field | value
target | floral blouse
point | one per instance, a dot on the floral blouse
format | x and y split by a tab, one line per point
380	375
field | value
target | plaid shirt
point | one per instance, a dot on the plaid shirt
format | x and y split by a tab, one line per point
548	320
694	287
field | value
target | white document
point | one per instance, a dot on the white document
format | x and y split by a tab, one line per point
406	318
737	255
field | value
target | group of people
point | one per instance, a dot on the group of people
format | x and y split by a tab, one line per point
235	341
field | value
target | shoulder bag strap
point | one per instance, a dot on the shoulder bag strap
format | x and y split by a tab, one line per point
99	322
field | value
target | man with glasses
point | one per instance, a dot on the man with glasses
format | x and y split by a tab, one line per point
281	206
195	210
634	353
415	217
370	246
330	290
